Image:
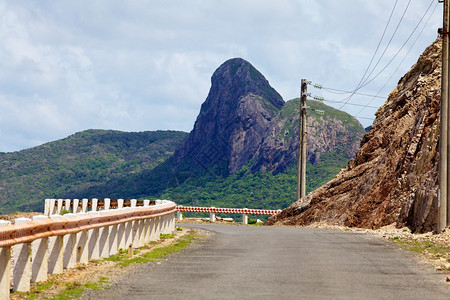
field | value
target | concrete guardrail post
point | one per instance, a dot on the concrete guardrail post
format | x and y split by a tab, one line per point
128	238
59	206
22	263
84	205
93	245
51	207
146	234
55	254
76	204
5	267
69	247
121	234
94	204
212	216
103	239
153	229
39	252
47	207
244	218
107	204
82	244
179	215
119	203
67	204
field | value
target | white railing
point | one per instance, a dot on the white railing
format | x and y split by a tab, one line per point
47	244
213	210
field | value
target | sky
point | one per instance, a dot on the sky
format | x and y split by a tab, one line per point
137	65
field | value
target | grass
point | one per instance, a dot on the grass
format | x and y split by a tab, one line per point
156	254
423	246
431	250
71	290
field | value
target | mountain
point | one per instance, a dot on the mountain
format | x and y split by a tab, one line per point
394	176
233	119
71	165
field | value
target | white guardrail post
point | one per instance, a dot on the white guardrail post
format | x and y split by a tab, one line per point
39	252
245	217
5	267
212	216
70	247
93	234
22	263
82	242
55	255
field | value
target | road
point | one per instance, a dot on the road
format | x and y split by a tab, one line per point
251	262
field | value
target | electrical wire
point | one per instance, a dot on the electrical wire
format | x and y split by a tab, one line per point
374	54
404	57
396	54
401	48
335	101
338	91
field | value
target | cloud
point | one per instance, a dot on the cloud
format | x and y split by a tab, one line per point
145	65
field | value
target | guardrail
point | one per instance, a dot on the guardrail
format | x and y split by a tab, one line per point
47	244
213	210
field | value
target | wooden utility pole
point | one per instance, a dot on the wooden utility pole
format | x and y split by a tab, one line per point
301	169
443	197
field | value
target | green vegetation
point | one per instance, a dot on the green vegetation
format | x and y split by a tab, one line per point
68	167
157	254
71	290
259	190
424	246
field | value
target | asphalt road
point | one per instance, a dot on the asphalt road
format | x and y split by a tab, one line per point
249	262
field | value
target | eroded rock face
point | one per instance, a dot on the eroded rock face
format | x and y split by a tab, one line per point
233	119
329	133
394	176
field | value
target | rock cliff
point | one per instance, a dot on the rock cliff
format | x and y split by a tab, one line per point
394	176
233	119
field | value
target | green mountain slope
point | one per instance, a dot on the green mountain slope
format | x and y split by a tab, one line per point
72	165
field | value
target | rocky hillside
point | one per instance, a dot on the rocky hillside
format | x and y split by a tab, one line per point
394	176
335	132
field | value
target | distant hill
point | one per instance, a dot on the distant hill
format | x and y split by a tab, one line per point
71	165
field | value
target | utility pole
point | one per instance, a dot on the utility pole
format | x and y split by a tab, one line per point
301	169
443	197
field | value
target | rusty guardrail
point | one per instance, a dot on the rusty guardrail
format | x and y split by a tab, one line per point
31	249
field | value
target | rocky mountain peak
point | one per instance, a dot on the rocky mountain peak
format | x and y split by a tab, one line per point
233	118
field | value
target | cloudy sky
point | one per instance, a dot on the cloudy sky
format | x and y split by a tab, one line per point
136	65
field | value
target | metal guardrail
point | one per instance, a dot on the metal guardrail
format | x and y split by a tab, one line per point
32	248
213	210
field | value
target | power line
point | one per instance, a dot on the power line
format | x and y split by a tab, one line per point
396	54
338	91
335	101
390	40
404	57
373	56
401	48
